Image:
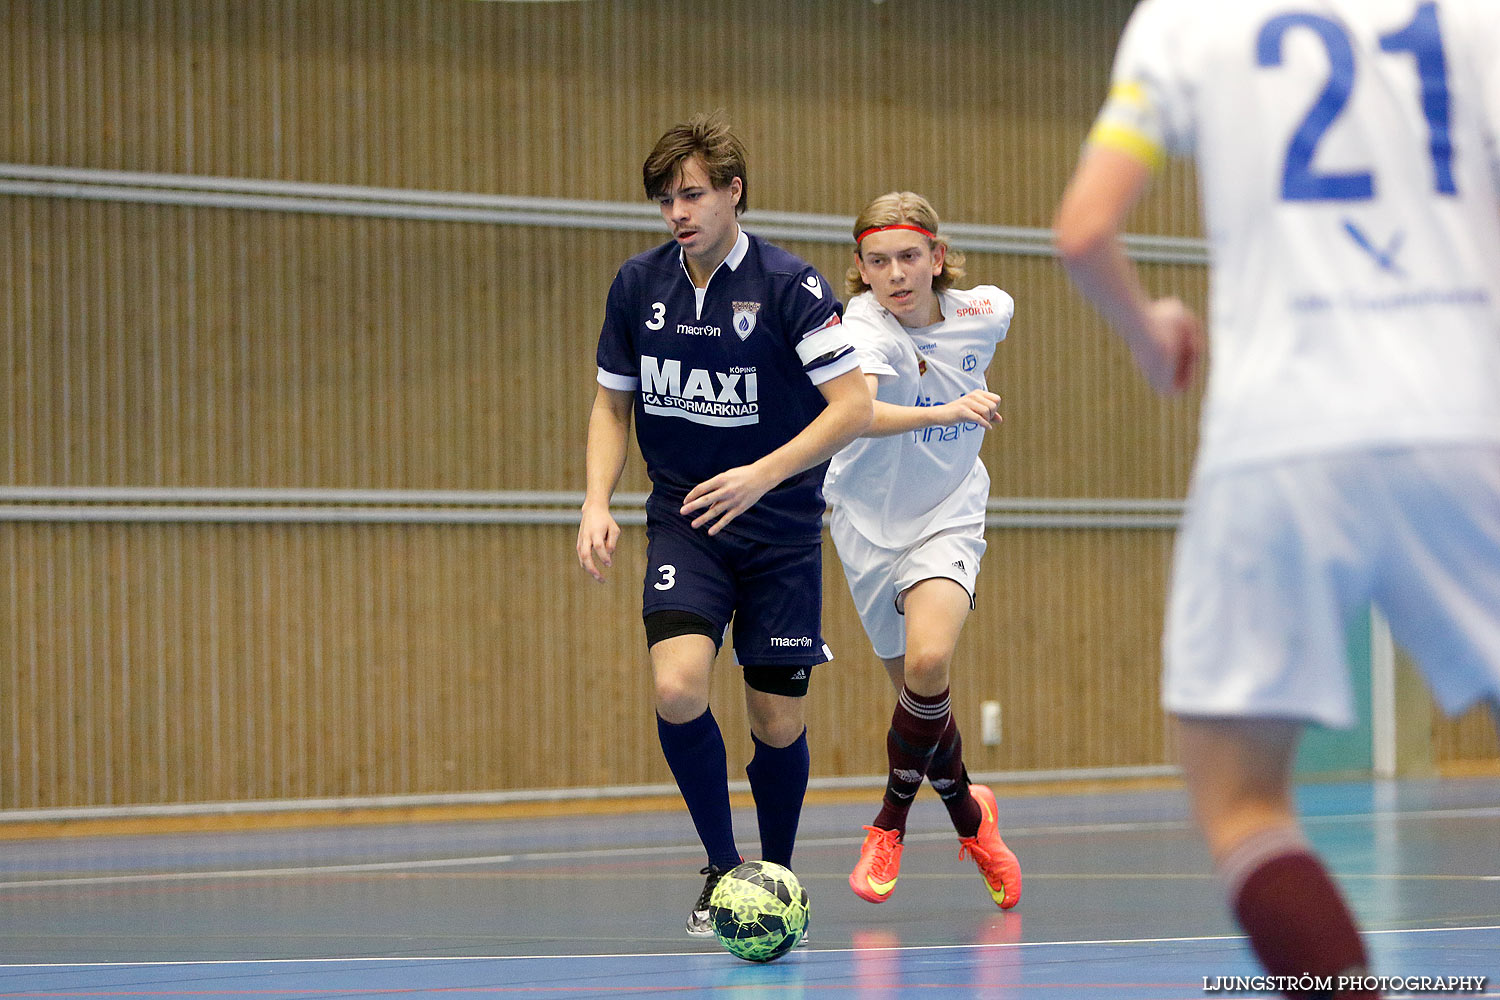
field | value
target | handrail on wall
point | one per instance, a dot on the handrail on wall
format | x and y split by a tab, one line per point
456	206
74	504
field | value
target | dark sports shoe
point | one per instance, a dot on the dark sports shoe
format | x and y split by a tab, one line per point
698	924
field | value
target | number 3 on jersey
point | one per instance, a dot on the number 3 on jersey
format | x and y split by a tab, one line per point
1423	39
658	317
668	577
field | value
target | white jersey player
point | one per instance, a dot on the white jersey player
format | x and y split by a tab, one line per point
943	482
908	505
1350	443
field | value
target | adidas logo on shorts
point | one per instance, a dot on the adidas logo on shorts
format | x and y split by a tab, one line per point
958	564
800	675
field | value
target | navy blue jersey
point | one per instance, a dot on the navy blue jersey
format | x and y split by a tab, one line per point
726	374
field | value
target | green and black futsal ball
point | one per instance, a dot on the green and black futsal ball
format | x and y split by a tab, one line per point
759	911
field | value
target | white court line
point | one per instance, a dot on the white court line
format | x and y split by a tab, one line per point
625	852
234	873
436	959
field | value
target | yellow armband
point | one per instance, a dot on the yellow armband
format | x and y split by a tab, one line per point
1129	123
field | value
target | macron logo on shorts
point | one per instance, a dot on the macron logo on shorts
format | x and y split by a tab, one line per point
800	640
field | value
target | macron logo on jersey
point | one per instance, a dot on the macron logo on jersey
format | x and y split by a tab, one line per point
719	399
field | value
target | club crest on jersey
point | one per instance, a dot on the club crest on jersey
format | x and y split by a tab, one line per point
744	318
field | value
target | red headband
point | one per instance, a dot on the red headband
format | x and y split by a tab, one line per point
896	225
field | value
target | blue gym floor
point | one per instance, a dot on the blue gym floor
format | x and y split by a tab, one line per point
1119	903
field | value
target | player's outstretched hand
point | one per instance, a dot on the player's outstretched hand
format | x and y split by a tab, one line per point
978	406
1170	357
726	496
598	533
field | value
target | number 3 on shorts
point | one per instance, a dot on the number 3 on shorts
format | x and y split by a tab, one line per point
668	577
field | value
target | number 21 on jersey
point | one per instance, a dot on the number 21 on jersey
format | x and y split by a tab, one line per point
1422	39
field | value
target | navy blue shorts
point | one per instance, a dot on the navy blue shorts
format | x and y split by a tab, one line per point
773	593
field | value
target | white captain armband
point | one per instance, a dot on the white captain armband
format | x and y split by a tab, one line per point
1130	123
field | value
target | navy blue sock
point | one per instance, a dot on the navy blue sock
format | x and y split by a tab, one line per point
695	753
778	780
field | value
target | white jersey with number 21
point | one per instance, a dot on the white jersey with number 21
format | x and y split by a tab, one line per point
1350	170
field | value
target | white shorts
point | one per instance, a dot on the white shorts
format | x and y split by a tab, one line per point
880	577
1273	561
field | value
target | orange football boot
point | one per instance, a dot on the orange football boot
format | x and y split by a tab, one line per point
997	863
874	877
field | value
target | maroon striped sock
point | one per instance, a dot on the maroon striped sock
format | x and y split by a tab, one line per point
948	777
1285	900
917	725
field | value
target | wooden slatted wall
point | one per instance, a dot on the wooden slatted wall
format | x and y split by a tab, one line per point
151	345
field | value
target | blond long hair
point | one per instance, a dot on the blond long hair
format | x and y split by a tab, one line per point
896	208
